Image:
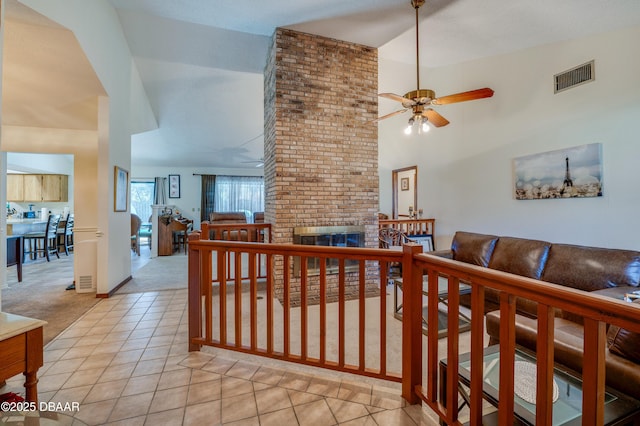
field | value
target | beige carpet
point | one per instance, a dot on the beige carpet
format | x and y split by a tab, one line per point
42	294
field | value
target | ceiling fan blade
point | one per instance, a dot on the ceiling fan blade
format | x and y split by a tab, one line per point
464	96
400	111
397	98
436	119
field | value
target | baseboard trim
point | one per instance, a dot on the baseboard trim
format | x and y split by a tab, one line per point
116	288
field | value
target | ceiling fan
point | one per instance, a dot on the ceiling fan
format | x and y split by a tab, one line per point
420	100
258	163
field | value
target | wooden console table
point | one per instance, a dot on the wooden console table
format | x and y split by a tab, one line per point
166	226
21	350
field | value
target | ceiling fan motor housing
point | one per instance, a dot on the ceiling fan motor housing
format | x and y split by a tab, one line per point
421	96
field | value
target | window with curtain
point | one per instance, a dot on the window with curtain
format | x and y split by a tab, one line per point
207	199
233	194
142	196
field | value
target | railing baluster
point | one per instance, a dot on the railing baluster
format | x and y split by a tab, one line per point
303	308
253	300
341	313
222	286
286	303
237	293
507	357
323	312
453	290
270	297
544	365
477	347
432	338
593	361
362	316
383	317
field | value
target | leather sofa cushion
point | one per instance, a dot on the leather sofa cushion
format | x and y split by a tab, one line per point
520	256
472	248
227	217
621	374
624	342
591	268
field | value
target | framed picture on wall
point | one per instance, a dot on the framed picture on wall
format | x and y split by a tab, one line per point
425	240
404	184
120	189
174	186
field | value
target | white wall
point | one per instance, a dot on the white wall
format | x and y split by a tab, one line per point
190	187
465	169
126	109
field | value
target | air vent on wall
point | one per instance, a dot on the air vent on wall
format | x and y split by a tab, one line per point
86	283
575	76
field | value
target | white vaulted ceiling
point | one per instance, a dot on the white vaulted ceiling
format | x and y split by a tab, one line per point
201	61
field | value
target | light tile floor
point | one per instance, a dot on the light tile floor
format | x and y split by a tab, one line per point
126	363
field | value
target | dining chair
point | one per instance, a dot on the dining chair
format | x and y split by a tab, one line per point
145	232
136	222
388	238
181	236
44	242
65	234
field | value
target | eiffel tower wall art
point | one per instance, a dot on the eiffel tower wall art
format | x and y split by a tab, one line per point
566	173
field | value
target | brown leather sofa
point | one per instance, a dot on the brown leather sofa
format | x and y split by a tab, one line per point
608	272
227	217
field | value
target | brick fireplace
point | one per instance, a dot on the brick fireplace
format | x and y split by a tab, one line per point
321	146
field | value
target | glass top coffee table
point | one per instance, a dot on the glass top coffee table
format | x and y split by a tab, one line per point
464	322
567	409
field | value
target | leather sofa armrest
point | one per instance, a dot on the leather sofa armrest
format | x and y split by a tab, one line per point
442	253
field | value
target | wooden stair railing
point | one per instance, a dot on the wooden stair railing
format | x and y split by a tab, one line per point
597	311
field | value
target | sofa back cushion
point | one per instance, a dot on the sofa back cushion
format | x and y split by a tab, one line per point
227	217
591	268
520	256
472	248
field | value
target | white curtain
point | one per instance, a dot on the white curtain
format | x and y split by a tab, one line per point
160	191
239	193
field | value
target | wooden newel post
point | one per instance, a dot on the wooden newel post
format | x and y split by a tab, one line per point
411	323
195	292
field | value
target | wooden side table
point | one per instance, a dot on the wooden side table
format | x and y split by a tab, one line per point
21	350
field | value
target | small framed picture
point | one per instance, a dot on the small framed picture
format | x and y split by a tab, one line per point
404	184
120	189
425	240
174	186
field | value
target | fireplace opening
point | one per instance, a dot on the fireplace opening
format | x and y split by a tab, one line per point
333	236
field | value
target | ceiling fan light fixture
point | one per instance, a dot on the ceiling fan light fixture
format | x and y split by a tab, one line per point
408	129
420	122
420	100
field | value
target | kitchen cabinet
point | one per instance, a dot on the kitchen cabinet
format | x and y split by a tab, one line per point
40	188
15	187
54	188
